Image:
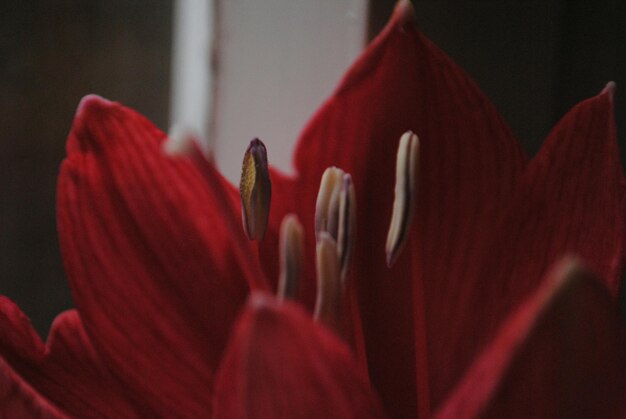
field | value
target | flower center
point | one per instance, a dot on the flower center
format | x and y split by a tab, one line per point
335	219
335	224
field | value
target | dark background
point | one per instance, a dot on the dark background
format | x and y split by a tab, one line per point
535	59
51	54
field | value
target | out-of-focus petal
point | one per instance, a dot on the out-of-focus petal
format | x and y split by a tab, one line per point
66	372
157	273
560	355
280	364
570	200
19	400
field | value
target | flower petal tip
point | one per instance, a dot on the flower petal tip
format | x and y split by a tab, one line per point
609	89
261	301
567	267
180	141
404	13
91	103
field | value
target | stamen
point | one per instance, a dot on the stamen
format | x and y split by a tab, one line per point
256	190
327	205
335	212
347	223
291	255
405	195
329	289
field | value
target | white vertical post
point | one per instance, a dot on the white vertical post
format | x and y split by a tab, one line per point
191	83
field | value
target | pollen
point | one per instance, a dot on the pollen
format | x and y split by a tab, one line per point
256	190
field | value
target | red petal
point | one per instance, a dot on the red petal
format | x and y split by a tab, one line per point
468	165
155	255
280	364
570	200
19	400
77	380
561	355
67	372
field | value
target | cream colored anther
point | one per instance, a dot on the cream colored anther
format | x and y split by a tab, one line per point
405	195
291	257
335	212
329	288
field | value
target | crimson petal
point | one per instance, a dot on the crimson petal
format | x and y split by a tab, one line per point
66	372
19	400
569	200
156	271
280	364
469	163
561	354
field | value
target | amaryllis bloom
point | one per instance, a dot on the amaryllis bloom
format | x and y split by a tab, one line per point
500	299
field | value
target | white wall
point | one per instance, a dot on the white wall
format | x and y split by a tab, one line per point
275	63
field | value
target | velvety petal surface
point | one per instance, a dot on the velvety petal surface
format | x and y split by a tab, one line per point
155	254
19	400
280	364
570	200
560	355
469	163
66	372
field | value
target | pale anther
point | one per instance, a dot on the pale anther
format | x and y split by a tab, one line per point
335	212
329	288
291	257
405	195
327	204
347	223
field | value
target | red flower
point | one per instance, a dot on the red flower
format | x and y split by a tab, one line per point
469	322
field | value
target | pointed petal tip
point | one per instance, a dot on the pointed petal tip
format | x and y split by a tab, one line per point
584	355
609	89
404	13
91	102
180	140
91	111
259	301
566	269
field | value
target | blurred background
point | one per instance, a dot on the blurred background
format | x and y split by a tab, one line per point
534	59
